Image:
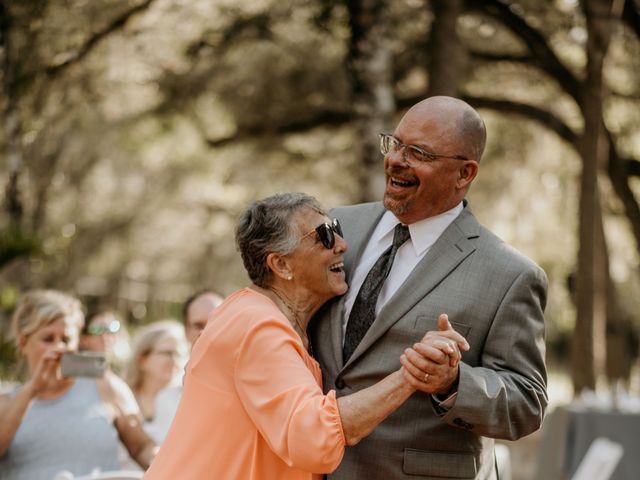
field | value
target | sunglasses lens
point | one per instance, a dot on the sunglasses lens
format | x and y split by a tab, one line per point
335	226
97	330
113	327
325	233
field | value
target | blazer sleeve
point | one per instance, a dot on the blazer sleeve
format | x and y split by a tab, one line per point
505	396
282	397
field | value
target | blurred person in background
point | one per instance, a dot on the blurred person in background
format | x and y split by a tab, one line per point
158	355
252	391
53	423
103	332
196	311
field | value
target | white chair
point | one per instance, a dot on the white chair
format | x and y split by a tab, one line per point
600	460
110	475
503	461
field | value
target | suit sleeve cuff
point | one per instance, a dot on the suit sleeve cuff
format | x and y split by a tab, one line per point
444	401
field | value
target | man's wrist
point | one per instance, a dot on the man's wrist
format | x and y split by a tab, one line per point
453	388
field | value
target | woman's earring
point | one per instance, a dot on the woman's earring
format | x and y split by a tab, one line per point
290	276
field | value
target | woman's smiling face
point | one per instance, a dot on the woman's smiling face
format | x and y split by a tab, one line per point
315	268
60	333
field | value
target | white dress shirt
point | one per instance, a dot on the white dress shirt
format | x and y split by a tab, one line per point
423	235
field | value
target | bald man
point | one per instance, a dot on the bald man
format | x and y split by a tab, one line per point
196	311
442	271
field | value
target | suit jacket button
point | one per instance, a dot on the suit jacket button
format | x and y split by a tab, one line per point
340	384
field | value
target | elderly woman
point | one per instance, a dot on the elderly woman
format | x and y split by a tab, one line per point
252	406
53	423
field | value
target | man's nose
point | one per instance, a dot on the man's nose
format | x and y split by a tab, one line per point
397	157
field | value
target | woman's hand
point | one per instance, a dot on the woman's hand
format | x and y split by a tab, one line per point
47	372
431	366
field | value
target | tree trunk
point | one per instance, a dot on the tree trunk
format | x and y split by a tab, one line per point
370	66
13	151
589	339
447	55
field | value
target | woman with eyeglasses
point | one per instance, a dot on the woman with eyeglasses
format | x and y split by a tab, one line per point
158	355
53	423
252	405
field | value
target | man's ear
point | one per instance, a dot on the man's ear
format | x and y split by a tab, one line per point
466	173
279	265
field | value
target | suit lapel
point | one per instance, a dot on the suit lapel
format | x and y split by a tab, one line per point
454	245
358	229
362	224
335	316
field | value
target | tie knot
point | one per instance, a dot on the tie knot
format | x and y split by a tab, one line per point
400	235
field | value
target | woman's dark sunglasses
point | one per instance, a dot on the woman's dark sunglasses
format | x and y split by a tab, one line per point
326	233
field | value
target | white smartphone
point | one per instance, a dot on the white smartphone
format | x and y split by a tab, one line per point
83	364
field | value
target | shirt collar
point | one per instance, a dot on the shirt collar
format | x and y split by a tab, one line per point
424	233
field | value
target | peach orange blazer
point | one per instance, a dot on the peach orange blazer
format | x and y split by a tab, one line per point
252	407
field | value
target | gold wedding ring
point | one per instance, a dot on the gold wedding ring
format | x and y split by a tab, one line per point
426	377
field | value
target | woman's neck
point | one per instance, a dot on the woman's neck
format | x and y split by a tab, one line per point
55	391
146	395
294	307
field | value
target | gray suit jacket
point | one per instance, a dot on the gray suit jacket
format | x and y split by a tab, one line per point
495	297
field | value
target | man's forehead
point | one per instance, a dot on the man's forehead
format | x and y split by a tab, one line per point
202	306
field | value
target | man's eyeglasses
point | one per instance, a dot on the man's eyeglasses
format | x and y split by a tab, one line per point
326	233
412	154
101	329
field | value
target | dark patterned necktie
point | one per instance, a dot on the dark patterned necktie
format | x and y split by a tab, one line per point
363	312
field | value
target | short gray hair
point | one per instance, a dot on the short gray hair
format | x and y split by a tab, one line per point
266	227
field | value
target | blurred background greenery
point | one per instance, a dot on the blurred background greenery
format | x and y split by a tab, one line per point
136	131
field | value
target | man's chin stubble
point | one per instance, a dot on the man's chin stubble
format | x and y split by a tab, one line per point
395	206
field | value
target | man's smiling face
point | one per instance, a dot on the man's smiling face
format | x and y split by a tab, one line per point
418	191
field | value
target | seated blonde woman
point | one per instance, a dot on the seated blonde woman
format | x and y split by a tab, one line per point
158	356
53	423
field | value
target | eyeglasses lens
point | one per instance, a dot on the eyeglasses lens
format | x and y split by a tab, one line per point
386	143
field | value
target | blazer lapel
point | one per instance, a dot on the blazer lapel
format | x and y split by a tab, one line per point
362	225
454	245
358	229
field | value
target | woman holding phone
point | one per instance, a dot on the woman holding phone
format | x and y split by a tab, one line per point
54	423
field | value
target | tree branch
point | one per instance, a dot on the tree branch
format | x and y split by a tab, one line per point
619	171
498	57
321	119
539	115
116	24
631	15
542	55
